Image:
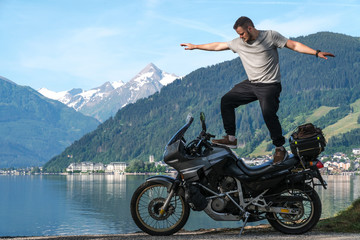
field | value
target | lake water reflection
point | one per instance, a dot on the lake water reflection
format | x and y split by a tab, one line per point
99	204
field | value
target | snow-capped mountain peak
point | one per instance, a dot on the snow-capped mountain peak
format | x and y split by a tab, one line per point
51	94
117	84
168	78
105	100
149	73
152	73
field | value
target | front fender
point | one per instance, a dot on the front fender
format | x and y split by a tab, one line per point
163	179
168	182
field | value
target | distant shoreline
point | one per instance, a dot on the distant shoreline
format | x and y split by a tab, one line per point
94	173
122	173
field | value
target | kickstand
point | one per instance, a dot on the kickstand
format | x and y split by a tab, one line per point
246	215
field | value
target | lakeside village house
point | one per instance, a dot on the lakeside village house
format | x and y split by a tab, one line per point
113	167
340	162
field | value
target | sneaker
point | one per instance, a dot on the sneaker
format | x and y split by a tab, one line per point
225	142
280	155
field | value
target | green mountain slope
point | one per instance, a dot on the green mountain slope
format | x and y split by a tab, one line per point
34	129
314	89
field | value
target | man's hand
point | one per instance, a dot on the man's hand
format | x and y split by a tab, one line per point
324	54
188	46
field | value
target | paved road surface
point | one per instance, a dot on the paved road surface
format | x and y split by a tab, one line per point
223	234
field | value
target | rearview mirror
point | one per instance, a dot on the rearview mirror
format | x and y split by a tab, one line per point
202	119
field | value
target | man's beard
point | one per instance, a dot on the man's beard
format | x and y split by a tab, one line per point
250	37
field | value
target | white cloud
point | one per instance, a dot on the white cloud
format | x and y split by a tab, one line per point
192	24
152	3
83	53
94	33
299	26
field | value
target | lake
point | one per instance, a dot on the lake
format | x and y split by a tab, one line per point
47	205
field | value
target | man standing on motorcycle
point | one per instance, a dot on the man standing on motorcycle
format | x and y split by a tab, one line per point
258	53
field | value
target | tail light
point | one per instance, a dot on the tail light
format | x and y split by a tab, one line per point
319	165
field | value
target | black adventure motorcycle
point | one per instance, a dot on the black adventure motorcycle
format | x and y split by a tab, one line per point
213	179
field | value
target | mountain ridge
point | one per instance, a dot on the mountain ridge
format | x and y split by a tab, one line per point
34	128
104	101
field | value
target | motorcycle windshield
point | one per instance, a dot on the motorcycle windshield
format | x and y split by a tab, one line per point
180	133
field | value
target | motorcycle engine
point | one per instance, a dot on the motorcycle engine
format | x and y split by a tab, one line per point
227	184
224	204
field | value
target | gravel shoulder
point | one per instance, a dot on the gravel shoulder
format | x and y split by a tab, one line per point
250	233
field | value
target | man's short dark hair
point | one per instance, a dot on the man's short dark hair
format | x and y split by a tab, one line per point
243	22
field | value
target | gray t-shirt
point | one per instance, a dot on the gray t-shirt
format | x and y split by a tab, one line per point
260	57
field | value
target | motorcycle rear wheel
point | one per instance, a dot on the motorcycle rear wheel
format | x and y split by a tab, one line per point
145	207
309	212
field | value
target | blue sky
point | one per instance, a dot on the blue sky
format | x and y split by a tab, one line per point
64	44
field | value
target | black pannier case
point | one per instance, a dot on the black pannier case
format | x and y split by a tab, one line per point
307	141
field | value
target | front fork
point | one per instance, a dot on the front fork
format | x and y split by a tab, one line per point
166	204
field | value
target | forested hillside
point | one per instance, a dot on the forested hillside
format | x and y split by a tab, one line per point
33	128
324	92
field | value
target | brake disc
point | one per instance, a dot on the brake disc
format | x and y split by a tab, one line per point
154	208
291	218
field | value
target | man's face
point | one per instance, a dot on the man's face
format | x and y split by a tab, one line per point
244	33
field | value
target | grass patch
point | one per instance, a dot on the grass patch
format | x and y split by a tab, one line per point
318	113
260	150
345	221
345	124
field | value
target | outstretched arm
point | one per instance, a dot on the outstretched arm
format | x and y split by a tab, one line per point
215	46
301	48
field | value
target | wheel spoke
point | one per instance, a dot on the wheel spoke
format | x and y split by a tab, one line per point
149	204
305	208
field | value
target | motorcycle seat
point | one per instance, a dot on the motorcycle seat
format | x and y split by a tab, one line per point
267	167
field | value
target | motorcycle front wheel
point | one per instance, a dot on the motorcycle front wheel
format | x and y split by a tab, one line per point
308	215
145	208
